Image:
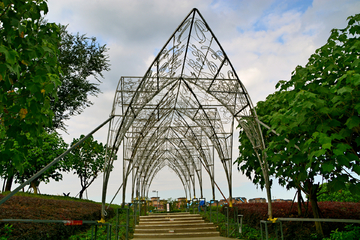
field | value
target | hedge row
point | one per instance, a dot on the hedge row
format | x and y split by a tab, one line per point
254	212
24	207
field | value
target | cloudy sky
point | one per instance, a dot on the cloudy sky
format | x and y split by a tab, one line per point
264	39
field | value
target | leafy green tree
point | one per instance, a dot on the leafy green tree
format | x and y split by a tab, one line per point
342	195
316	114
87	161
29	76
31	52
81	58
38	157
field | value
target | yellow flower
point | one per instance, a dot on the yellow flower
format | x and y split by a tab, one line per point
42	91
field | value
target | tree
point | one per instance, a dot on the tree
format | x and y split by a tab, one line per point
342	195
38	157
29	76
80	59
31	97
87	160
318	112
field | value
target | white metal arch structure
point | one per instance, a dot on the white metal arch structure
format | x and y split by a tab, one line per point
181	112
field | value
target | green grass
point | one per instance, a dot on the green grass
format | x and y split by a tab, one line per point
46	196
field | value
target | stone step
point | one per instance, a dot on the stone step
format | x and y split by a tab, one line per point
170	229
170	213
157	219
153	216
167	226
171	222
174	225
176	235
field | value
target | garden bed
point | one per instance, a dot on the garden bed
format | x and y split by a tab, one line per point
49	208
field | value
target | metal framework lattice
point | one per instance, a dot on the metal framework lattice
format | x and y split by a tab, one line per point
181	112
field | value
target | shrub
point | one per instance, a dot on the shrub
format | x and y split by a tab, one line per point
351	233
254	212
28	207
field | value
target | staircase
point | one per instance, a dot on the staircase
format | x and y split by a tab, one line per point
174	225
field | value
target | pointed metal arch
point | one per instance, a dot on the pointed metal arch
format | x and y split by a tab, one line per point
191	75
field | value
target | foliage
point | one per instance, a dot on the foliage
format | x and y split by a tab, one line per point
250	233
39	206
81	58
322	116
352	233
220	221
316	114
38	157
29	75
343	195
102	232
5	233
254	212
87	160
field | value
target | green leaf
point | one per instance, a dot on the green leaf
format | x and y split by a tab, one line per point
327	146
353	121
11	56
356	168
341	149
327	167
357	140
338	183
355	189
357	108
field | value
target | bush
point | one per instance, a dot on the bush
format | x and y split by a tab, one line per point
254	212
38	207
5	232
351	233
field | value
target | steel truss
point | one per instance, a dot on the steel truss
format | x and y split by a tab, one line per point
180	113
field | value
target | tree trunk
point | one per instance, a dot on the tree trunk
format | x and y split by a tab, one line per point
9	182
315	208
81	193
299	200
34	185
3	187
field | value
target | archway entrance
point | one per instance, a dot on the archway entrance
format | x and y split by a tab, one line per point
181	113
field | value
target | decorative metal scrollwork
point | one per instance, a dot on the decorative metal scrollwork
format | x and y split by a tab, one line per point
181	111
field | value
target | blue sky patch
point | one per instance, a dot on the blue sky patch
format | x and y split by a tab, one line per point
279	7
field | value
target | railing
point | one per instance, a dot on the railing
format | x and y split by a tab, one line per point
94	224
68	223
280	220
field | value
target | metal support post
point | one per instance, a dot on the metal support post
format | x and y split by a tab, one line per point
240	216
